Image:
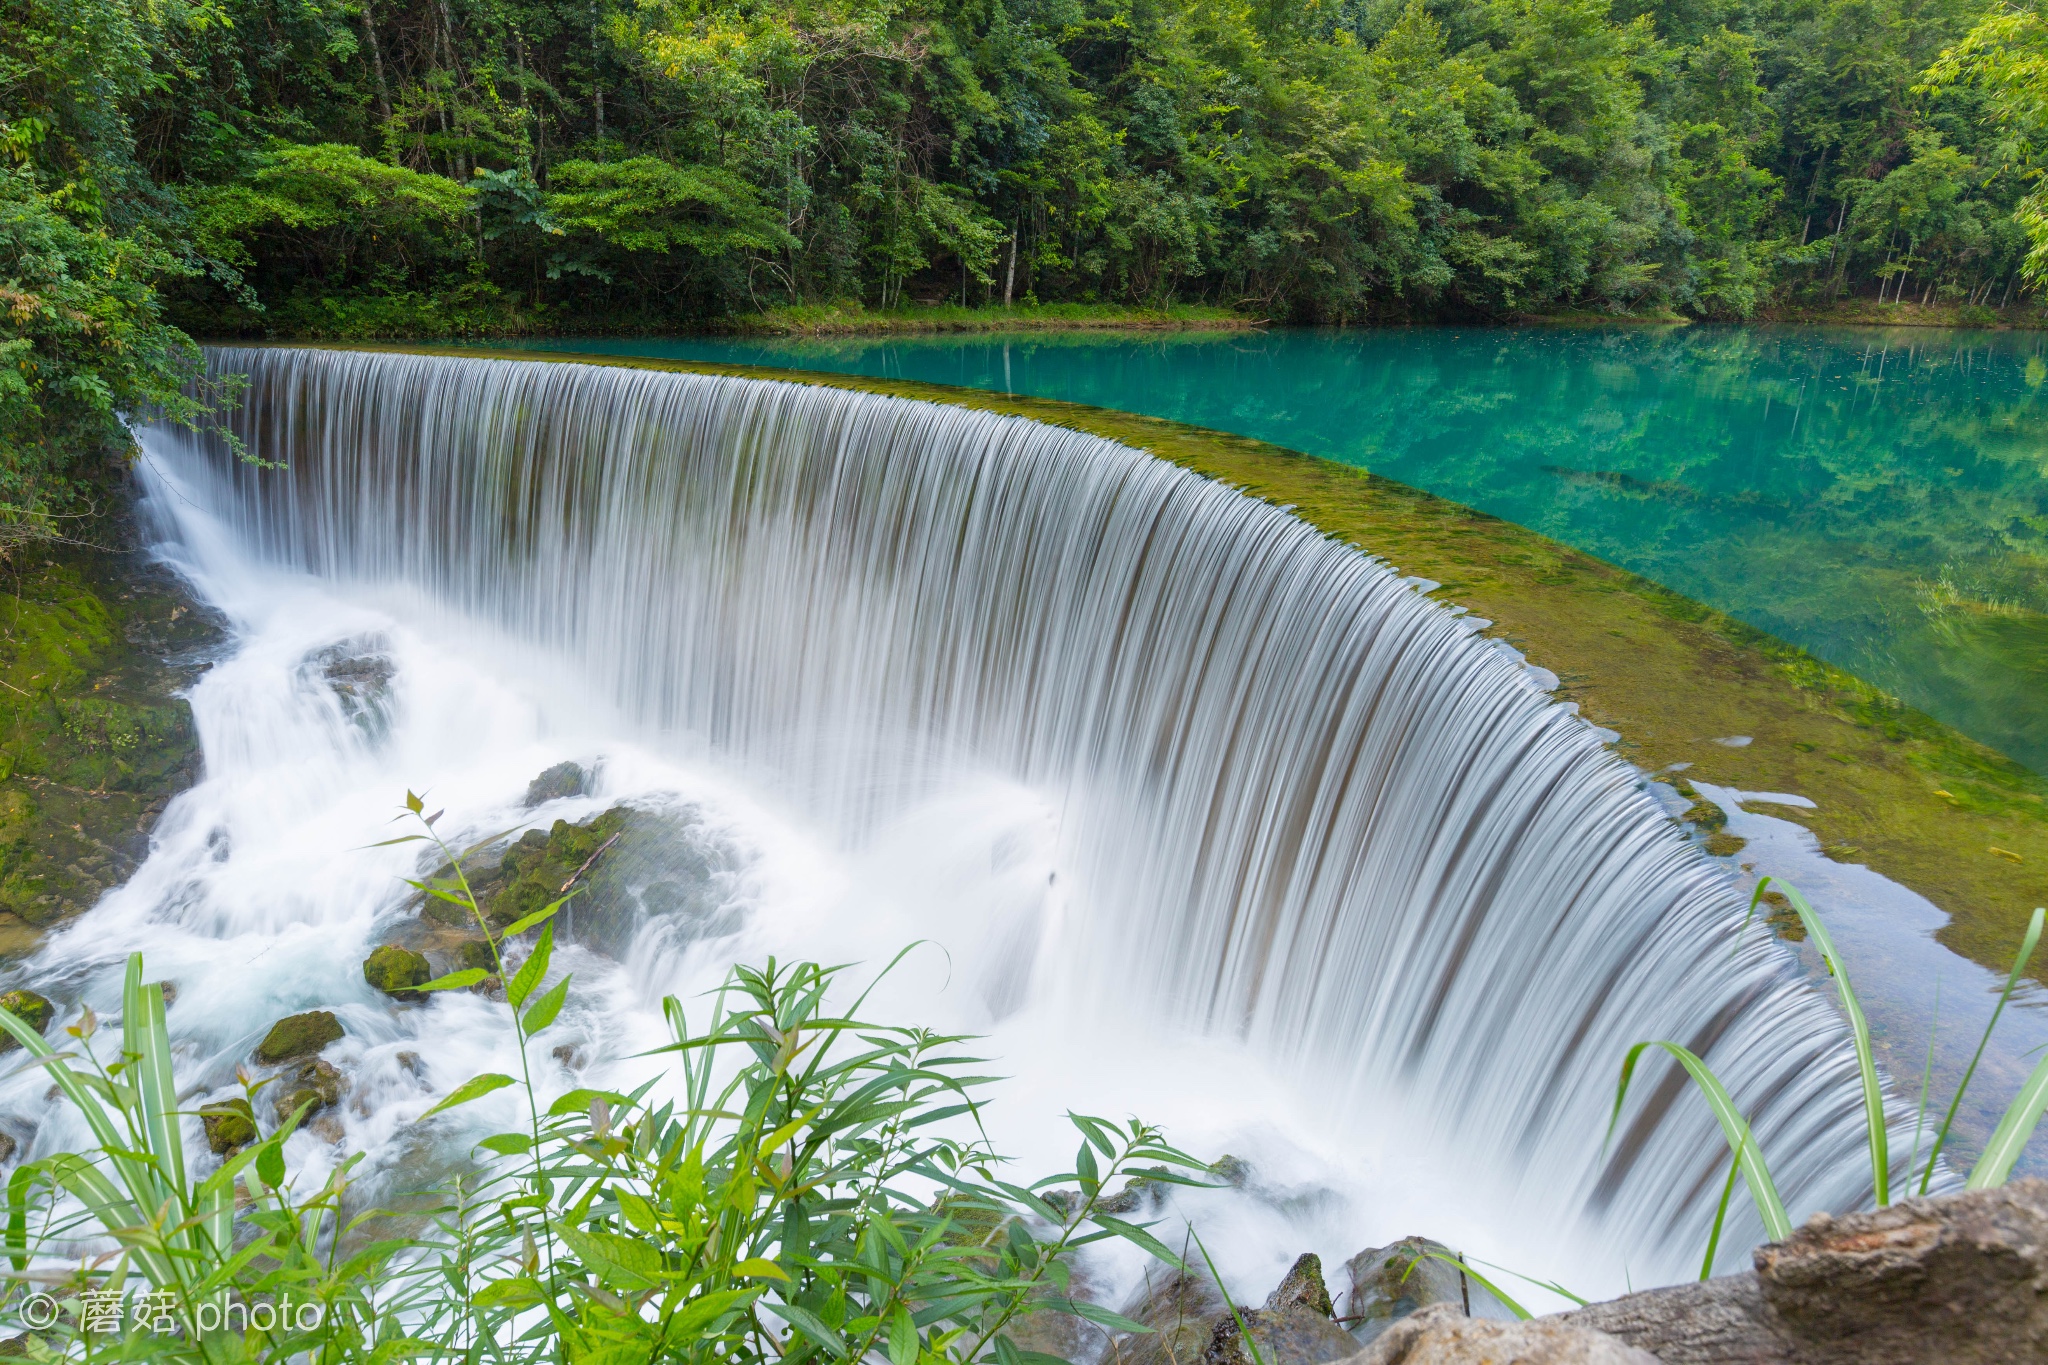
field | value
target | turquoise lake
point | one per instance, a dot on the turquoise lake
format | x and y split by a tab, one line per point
1878	497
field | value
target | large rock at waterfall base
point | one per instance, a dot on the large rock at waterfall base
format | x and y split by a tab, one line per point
1389	1283
557	783
1958	1279
621	871
1442	1335
1192	1325
300	1035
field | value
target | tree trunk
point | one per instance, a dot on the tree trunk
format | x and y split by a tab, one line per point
1010	272
376	62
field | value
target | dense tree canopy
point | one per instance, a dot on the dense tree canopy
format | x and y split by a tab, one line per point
357	167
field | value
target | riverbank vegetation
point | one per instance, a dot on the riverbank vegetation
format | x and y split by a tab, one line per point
505	167
809	1186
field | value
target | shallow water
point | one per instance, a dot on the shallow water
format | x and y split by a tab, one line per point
1877	497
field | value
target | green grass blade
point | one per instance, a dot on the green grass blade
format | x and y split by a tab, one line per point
1522	1314
2010	1137
1866	1057
1244	1333
116	1213
145	1036
1741	1142
1720	1217
2012	981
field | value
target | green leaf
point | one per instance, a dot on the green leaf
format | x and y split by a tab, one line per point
808	1325
476	1087
612	1255
454	981
1777	1222
902	1337
2012	981
1875	1132
270	1164
529	975
2010	1138
1096	1313
518	1292
756	1268
546	1008
507	1144
540	916
1131	1232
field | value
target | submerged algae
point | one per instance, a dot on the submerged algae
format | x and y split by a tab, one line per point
1893	788
95	648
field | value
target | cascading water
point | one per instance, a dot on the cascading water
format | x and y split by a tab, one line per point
1217	820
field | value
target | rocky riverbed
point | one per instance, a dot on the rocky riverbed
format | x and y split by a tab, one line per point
1958	1280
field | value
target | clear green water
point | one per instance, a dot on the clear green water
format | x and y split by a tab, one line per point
1879	497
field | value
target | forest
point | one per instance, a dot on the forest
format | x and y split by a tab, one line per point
362	168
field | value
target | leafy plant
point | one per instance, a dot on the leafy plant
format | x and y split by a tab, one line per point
816	1187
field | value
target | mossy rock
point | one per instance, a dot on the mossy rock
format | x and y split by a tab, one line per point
313	1084
475	954
561	781
533	870
625	866
395	971
96	649
301	1035
30	1008
230	1125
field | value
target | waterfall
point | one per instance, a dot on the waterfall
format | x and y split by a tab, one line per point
1293	804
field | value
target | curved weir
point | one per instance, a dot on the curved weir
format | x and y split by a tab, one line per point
1291	801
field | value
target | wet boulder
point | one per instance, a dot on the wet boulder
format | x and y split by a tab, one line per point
1192	1323
557	783
1391	1282
619	870
395	971
1960	1279
1182	1308
359	673
230	1125
1442	1335
312	1085
31	1009
299	1035
1294	1327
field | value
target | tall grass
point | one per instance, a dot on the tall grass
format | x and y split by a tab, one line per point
1993	1166
819	1190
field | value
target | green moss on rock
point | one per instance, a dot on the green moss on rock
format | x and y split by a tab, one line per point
562	780
301	1035
95	648
533	871
395	971
30	1008
230	1125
